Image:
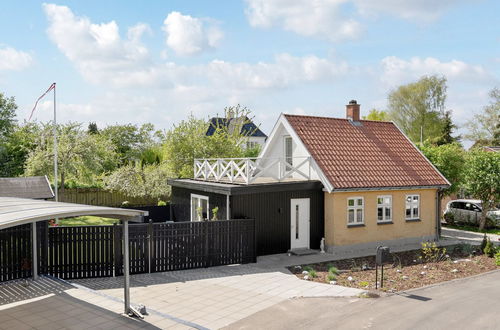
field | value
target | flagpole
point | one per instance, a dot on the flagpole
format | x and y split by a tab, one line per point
55	147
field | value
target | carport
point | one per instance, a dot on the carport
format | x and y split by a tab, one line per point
20	211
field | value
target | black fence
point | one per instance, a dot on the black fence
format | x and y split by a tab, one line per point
96	251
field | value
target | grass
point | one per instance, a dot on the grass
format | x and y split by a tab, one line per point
475	229
87	220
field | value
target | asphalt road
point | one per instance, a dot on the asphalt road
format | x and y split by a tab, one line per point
472	303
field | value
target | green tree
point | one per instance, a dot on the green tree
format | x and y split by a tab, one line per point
449	159
188	141
82	157
446	136
482	180
140	181
485	126
131	140
8	109
379	115
16	148
92	129
419	107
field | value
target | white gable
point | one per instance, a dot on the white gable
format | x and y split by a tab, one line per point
275	149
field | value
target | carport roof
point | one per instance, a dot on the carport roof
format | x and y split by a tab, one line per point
19	211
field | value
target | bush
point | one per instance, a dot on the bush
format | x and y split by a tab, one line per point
483	243
497	258
312	273
333	270
489	249
432	253
162	203
331	277
308	268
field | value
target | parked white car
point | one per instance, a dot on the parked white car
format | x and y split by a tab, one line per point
468	211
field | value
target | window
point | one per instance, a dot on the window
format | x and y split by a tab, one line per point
355	211
288	150
199	208
412	207
384	208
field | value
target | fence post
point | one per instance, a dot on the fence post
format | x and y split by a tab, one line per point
117	247
254	241
207	263
150	244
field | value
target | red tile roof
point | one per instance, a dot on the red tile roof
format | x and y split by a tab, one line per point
373	155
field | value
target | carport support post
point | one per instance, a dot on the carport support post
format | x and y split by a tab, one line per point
34	247
126	266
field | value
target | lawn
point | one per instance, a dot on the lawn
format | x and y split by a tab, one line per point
474	229
409	270
87	220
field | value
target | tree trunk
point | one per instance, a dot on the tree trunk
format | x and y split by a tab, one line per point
482	221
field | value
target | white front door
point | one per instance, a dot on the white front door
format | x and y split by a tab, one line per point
299	223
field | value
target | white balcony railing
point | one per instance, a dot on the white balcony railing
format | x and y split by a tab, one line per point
248	170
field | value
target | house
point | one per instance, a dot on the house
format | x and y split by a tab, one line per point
254	136
34	187
357	183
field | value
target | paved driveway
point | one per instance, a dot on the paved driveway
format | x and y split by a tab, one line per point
218	296
471	303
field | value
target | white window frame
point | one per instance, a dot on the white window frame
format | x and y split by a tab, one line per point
199	197
412	205
356	207
384	206
285	138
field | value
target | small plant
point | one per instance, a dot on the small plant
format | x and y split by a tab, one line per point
307	268
331	277
364	283
497	258
312	274
484	242
432	253
333	270
162	203
215	210
489	249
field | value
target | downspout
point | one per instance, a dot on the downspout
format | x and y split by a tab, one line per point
228	210
438	214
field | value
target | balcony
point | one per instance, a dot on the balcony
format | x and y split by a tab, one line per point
253	170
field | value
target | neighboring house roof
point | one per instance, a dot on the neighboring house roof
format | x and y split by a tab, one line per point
494	149
34	187
248	128
364	154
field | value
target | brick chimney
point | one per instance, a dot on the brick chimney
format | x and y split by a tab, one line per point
352	110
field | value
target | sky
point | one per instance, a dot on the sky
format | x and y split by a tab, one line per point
159	61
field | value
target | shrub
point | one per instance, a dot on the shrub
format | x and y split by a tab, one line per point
497	258
162	203
489	249
308	268
331	277
432	253
312	273
364	283
333	270
483	243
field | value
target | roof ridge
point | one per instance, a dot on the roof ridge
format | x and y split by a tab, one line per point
336	118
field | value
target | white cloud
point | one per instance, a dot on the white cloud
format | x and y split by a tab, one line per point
12	59
335	20
318	18
415	10
96	48
188	35
396	70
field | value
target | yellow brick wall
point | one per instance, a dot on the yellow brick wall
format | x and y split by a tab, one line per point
338	233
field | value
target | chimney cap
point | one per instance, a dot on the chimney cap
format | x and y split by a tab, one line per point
353	102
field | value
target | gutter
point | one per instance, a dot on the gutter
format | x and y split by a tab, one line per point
386	188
